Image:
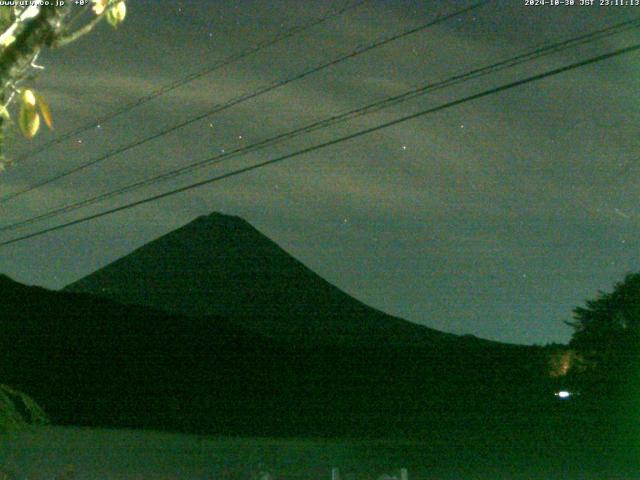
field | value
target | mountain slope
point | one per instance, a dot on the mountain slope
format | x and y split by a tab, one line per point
221	265
90	361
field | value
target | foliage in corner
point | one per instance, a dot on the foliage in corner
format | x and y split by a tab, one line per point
25	30
18	410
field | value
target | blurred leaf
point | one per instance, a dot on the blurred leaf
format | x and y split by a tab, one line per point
28	98
99	6
29	121
115	15
44	109
7	40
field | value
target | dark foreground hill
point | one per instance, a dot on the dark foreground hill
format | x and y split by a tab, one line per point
90	361
221	265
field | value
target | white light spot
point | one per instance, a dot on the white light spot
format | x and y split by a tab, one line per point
563	394
404	147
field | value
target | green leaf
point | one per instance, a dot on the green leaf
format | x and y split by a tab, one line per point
28	121
44	109
115	15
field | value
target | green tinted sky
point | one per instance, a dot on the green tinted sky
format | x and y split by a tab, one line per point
495	218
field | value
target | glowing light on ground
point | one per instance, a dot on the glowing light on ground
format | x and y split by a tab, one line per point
563	394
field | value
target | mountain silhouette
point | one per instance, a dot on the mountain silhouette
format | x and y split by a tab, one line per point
221	265
91	361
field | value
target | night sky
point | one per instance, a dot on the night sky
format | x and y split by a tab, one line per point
494	218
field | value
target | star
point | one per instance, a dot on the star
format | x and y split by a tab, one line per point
404	147
620	212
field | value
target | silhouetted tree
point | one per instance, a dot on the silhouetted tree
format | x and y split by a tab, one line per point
607	334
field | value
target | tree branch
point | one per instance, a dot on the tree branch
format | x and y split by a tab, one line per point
30	37
72	37
67	37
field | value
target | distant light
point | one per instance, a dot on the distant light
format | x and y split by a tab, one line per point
563	394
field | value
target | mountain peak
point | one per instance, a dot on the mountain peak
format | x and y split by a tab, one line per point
219	217
221	265
219	226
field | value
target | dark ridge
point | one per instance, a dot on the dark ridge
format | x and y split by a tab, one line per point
90	361
221	265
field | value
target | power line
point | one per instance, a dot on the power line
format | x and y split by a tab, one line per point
243	98
321	124
316	147
193	76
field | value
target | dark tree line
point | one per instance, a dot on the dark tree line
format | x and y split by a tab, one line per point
607	338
